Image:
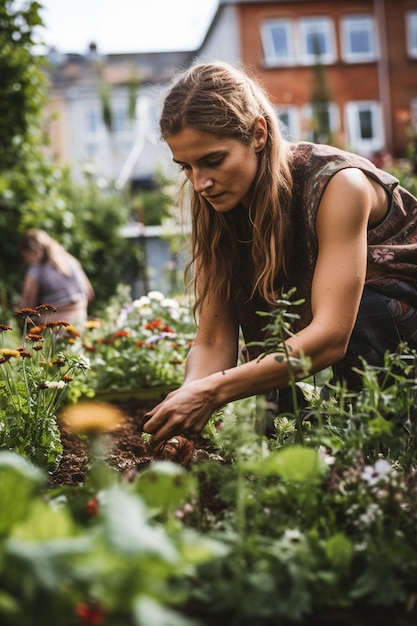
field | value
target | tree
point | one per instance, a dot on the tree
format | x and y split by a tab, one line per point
33	193
26	179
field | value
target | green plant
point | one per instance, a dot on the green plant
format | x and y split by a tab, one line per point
139	344
33	381
123	565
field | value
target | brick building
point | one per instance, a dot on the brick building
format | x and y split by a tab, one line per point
338	71
362	53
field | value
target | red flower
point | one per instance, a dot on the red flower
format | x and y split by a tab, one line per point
89	348
90	614
121	333
92	507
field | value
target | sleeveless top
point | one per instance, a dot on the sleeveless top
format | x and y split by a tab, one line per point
392	244
55	288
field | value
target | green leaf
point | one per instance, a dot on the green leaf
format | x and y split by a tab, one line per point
164	485
295	463
19	481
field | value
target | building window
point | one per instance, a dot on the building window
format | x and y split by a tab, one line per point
364	127
92	122
277	41
121	121
317	41
290	121
359	39
412	33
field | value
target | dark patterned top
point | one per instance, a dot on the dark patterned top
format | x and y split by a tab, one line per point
392	244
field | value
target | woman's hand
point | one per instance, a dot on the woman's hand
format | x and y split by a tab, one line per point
187	408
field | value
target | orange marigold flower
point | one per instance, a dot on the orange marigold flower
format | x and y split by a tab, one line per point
91	417
67	379
5	327
140	343
106	341
8	353
121	333
92	324
38	329
153	324
45	308
71	330
89	348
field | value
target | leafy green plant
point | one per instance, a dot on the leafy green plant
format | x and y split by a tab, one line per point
121	566
33	381
139	344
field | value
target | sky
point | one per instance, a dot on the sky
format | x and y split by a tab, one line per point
119	26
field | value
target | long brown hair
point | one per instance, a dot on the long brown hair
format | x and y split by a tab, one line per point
47	250
221	99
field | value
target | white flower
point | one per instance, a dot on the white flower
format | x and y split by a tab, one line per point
141	302
84	362
156	295
372	513
324	454
373	474
170	303
292	535
55	384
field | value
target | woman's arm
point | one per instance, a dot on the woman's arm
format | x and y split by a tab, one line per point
215	347
344	212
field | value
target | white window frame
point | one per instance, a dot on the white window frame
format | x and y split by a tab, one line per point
273	57
290	130
122	124
324	27
411	19
334	119
356	142
364	24
92	122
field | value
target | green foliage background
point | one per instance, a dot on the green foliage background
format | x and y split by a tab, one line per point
85	219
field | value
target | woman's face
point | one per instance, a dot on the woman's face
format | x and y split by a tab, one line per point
221	169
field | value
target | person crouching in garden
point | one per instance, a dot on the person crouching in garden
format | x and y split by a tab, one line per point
269	215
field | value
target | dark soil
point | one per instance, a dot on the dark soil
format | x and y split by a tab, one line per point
128	450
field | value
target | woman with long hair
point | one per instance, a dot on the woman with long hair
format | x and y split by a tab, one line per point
269	215
54	277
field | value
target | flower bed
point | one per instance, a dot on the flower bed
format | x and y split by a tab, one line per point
313	525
